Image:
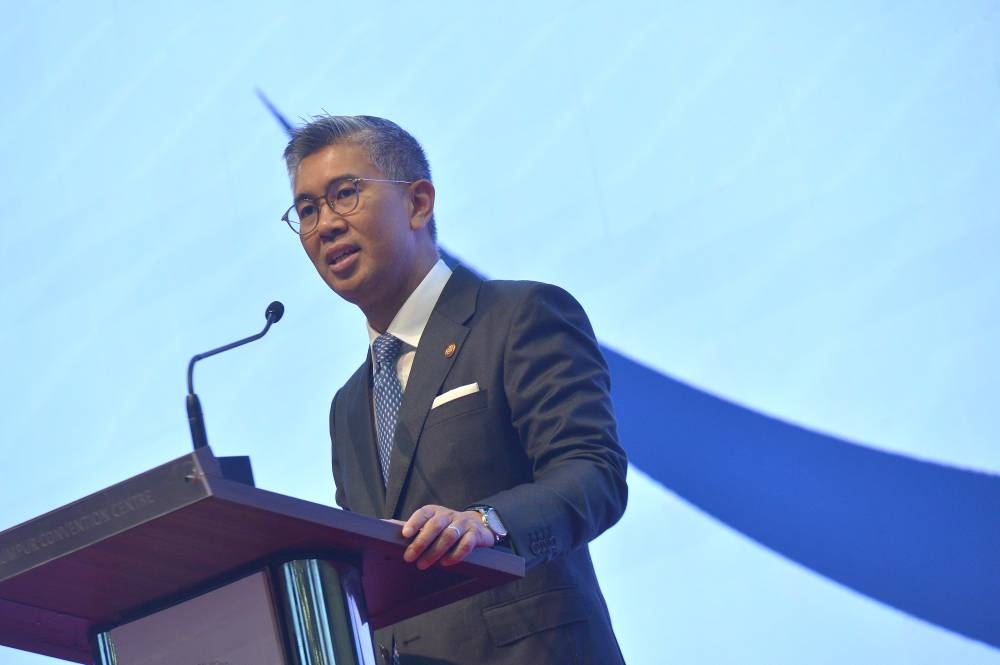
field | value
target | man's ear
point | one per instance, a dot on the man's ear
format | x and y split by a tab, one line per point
421	203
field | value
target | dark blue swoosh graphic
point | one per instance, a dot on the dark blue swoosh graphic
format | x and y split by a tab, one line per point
921	537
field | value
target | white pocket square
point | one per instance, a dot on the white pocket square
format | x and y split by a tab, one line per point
454	393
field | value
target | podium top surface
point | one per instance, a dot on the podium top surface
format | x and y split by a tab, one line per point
171	531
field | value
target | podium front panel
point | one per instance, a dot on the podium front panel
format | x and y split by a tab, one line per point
235	623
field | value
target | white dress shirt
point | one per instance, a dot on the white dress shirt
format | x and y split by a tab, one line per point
411	319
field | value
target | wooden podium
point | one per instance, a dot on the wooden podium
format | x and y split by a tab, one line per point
180	565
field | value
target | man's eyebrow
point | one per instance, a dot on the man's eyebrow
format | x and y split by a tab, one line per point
308	197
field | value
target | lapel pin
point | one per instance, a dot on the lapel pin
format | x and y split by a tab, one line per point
449	350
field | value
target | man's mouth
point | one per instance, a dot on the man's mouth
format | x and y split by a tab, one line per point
339	256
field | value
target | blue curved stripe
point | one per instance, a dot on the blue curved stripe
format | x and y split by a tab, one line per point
921	537
278	115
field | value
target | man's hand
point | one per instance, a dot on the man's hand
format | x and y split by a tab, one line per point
445	535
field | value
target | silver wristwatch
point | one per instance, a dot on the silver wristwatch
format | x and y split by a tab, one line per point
492	521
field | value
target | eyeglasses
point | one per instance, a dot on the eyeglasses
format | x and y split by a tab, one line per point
342	195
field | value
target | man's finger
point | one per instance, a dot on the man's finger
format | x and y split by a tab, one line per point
477	536
417	520
446	539
427	535
461	549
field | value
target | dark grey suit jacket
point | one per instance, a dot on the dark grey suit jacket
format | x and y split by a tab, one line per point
538	442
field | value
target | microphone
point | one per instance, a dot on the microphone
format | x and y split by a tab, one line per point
196	419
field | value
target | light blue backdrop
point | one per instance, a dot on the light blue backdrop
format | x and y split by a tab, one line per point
791	205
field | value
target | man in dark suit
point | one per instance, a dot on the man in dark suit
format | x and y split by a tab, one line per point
481	416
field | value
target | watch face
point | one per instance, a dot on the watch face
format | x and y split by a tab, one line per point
494	523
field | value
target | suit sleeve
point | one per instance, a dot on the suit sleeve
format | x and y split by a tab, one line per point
557	385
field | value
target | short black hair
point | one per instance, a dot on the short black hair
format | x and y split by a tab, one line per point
391	149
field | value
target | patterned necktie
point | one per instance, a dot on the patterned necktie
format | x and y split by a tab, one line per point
388	395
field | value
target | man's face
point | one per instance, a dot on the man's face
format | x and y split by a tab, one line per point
368	256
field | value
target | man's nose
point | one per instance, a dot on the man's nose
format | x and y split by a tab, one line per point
329	221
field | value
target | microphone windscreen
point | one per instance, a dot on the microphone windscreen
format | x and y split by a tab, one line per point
274	312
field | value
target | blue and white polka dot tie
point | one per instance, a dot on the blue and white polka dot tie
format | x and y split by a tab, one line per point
388	395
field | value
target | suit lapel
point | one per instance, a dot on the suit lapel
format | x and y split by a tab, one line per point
431	365
362	435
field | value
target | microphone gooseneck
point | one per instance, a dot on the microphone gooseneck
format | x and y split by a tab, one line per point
196	419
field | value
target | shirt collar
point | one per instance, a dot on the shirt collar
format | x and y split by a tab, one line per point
411	319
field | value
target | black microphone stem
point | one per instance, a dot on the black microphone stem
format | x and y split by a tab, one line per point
209	354
196	419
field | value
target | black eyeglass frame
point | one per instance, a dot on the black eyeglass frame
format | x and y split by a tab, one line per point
297	227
